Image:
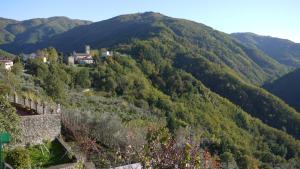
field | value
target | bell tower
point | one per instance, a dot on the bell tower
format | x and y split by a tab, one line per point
87	49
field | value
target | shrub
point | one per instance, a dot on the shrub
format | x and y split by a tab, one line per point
19	158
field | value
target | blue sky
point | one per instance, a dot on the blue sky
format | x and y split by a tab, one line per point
279	18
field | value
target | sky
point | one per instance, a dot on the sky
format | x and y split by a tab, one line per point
277	18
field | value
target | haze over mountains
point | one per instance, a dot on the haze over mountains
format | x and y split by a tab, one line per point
188	73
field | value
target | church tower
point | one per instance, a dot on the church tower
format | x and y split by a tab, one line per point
87	49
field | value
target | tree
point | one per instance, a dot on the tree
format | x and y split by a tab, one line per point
37	68
83	78
53	83
52	54
228	161
17	69
9	120
171	124
247	162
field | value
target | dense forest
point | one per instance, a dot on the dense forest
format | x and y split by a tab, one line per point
18	33
287	88
170	82
282	50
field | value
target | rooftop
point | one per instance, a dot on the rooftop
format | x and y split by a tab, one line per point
5	60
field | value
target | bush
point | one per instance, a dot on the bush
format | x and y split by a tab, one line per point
19	158
9	120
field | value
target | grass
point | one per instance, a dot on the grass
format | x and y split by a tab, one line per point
48	154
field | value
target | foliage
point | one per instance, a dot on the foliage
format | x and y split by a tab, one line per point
19	158
82	78
163	152
47	154
251	64
50	53
283	51
287	88
9	120
31	31
53	84
17	69
9	82
187	102
176	75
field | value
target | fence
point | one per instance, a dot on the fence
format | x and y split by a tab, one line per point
39	107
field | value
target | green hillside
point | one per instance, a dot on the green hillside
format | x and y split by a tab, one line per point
287	88
284	51
251	64
224	81
147	90
183	76
35	30
222	64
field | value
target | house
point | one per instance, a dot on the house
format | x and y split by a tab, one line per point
26	57
70	60
81	58
8	64
85	60
106	54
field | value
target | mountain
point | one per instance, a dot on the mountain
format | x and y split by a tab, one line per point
224	65
185	73
284	51
222	62
251	64
6	54
35	30
287	88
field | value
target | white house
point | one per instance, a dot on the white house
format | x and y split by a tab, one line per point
8	64
106	54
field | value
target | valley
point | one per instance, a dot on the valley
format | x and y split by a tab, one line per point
148	88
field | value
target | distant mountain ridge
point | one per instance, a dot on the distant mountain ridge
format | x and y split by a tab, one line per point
35	30
252	64
282	50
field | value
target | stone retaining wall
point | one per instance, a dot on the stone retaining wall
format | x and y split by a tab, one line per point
37	128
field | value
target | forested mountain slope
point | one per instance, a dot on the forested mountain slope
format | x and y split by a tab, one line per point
222	64
251	64
287	88
162	95
34	30
222	80
284	51
187	75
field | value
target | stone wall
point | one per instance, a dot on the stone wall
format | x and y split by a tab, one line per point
37	128
42	123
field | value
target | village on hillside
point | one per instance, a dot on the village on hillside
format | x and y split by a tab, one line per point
149	84
75	58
